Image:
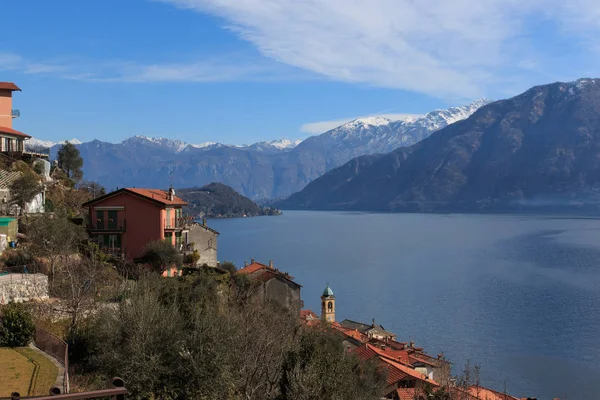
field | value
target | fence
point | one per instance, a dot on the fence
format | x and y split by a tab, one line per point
57	348
117	392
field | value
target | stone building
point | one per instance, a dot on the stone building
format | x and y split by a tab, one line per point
275	285
204	240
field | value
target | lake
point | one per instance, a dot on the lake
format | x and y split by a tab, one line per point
518	295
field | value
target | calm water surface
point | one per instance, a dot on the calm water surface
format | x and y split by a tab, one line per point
518	295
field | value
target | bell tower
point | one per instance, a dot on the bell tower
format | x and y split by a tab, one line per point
328	305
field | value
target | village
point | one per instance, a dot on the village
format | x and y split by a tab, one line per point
52	259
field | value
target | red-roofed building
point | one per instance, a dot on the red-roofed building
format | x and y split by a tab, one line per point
275	285
125	220
12	142
399	376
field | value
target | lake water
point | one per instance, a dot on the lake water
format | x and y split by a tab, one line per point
519	295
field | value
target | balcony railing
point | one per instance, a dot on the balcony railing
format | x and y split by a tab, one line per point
118	226
177	223
15	113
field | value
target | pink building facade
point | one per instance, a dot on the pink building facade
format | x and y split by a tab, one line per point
124	221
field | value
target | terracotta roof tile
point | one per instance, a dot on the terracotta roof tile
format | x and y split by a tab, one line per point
406	393
308	315
481	393
10	131
265	273
252	268
158	195
8	86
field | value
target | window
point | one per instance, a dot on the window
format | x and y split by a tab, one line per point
99	219
169	237
169	224
330	305
100	240
112	219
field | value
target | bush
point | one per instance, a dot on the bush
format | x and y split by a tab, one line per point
16	326
192	258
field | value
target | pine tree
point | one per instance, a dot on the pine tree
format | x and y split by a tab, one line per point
70	161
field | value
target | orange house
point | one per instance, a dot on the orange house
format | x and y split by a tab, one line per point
124	221
11	141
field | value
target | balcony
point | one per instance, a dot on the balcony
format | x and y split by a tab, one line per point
107	226
177	223
15	113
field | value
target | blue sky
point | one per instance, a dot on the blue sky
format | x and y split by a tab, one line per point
240	71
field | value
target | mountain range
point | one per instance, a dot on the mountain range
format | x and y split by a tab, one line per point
263	170
539	150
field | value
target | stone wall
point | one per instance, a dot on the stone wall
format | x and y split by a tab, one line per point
23	287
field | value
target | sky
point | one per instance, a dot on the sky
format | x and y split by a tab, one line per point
242	71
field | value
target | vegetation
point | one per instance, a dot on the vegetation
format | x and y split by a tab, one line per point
93	188
192	337
161	255
25	188
220	201
70	161
16	326
26	371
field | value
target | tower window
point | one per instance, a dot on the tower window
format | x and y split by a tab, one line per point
330	305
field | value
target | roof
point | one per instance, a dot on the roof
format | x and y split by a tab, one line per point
328	292
406	393
157	196
308	315
10	131
482	393
9	86
347	323
265	273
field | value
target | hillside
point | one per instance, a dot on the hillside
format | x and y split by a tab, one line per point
264	170
539	151
216	200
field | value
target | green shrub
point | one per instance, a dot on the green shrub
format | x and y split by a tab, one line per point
16	326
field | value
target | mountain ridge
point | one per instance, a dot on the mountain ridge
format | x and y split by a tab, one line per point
537	149
262	170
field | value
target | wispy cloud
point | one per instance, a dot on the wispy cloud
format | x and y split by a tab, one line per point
324	126
452	49
218	69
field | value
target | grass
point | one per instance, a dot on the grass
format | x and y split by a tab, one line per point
26	371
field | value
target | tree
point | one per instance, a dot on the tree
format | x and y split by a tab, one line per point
16	326
54	238
70	161
78	281
161	254
24	189
93	188
319	368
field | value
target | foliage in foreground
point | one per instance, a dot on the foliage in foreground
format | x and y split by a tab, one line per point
16	326
191	337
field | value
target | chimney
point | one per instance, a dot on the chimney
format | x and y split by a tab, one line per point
252	261
245	263
271	264
203	221
171	195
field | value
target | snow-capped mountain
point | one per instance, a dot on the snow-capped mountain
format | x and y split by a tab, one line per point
34	143
262	170
372	135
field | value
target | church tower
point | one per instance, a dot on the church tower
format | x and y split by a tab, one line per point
328	305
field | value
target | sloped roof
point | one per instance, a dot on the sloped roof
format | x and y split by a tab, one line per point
9	86
348	323
265	273
155	195
9	131
308	315
481	393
